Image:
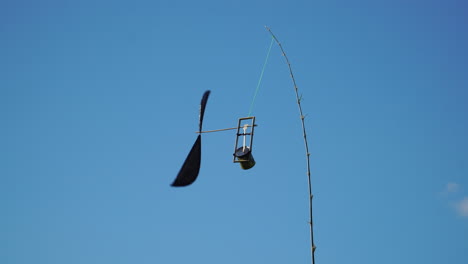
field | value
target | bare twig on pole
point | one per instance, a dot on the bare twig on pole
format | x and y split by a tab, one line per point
298	99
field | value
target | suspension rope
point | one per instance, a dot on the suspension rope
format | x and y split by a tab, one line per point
261	76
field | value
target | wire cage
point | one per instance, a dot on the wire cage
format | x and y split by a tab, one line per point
244	139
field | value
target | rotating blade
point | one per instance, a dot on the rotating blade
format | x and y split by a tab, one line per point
191	167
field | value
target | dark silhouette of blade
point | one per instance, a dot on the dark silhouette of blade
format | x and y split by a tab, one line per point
191	167
189	171
202	109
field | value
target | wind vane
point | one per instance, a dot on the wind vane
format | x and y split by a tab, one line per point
242	150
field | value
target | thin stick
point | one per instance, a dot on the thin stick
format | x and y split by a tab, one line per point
298	100
217	130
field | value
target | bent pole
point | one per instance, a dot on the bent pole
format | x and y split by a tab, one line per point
298	101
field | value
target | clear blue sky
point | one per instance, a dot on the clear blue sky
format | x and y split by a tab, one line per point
99	105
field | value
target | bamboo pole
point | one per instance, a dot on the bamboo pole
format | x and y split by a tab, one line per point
298	100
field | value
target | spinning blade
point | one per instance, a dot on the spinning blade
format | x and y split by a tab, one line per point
191	167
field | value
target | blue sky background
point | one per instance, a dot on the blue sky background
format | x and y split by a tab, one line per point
99	103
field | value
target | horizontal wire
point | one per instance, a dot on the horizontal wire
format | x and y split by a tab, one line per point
223	129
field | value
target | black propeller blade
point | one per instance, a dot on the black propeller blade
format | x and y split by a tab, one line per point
191	167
